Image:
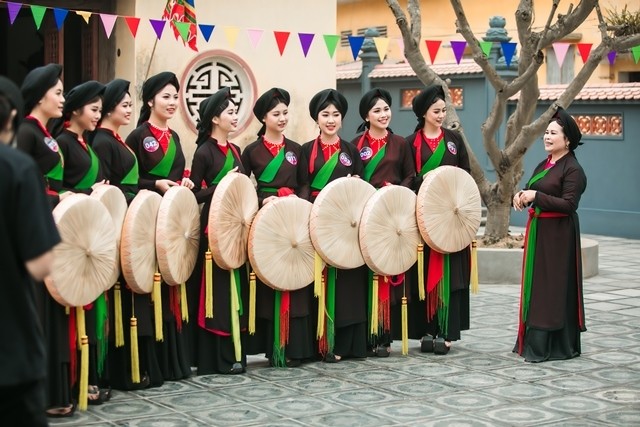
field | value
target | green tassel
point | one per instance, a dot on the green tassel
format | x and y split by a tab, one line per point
444	289
102	342
279	359
528	264
331	307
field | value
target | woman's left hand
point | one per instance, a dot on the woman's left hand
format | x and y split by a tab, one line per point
186	182
527	197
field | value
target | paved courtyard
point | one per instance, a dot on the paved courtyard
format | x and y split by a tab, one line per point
479	383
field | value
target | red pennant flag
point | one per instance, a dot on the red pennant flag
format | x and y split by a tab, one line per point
585	50
432	47
281	39
132	23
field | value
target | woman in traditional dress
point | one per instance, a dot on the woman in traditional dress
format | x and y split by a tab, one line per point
43	100
213	159
447	304
161	165
329	157
82	173
276	163
551	302
387	161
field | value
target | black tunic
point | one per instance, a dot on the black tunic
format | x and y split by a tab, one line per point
44	150
459	262
292	174
77	163
149	154
215	348
173	353
556	309
117	159
396	167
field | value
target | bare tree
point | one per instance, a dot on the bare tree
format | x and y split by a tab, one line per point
521	128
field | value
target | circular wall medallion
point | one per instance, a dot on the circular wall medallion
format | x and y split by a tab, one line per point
210	71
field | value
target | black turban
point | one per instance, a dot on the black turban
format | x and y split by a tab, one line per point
13	95
569	127
367	102
422	101
113	95
37	83
208	110
150	89
81	95
331	96
264	104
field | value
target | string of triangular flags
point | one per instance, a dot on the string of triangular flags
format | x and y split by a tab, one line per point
282	37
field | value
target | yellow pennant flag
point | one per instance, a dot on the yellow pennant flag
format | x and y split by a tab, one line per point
382	45
85	15
231	33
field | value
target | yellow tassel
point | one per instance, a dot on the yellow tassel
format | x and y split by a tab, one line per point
374	306
317	275
184	305
474	267
321	317
235	319
83	341
156	296
117	314
421	291
135	361
208	292
405	327
252	303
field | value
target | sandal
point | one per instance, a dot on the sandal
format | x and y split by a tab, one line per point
383	351
94	397
426	344
236	368
332	358
440	346
62	412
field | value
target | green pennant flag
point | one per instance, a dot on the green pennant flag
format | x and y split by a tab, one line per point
486	48
183	29
636	53
331	40
38	14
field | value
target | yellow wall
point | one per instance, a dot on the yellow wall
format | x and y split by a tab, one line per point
301	76
438	23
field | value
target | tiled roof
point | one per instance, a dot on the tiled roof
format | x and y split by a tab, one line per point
602	91
353	70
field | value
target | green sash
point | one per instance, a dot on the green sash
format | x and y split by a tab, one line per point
132	177
435	159
228	165
92	174
56	172
530	251
325	172
373	163
163	168
272	168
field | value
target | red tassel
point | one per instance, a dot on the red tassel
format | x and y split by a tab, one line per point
284	318
73	346
174	305
384	303
435	270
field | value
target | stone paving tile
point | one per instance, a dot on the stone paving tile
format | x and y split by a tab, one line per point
479	383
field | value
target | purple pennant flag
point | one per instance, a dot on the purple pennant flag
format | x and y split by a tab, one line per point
458	49
158	26
206	30
13	8
305	42
612	57
356	43
508	49
60	15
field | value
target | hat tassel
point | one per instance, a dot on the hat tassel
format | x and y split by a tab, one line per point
421	290
252	303
117	315
156	296
83	384
208	302
474	267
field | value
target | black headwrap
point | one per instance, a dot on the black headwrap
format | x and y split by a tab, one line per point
569	127
422	101
113	94
209	108
266	103
37	83
13	95
81	95
330	96
367	102
150	89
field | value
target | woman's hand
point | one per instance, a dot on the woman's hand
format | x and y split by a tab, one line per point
523	198
98	184
163	185
186	182
268	200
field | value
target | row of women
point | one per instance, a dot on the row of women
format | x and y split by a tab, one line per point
151	158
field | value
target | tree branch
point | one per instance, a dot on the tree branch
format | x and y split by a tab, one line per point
566	24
